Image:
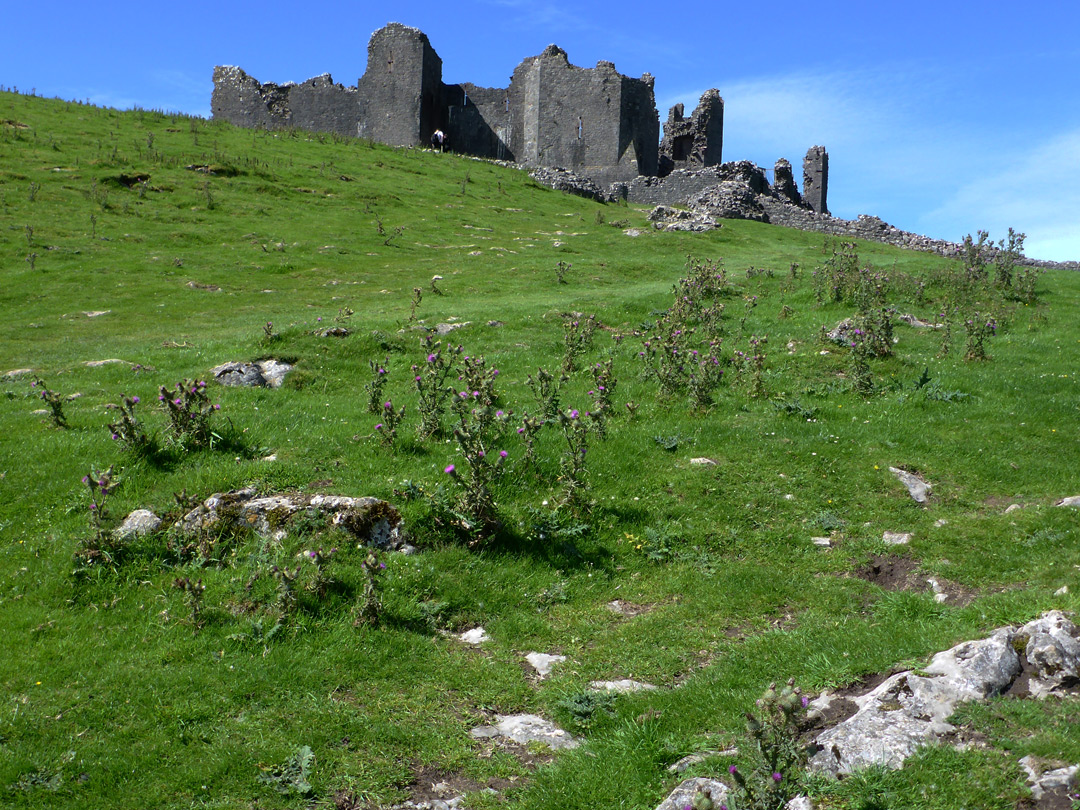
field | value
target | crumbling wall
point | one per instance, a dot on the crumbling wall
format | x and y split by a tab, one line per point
400	93
592	121
816	179
241	100
695	141
322	106
784	181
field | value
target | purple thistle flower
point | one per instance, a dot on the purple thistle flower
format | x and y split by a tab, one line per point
217	407
503	454
382	565
573	414
498	413
449	469
93	506
318	320
479	453
85	478
134	400
521	430
732	770
805	701
115	437
176	402
431	358
379	426
161	398
777	776
388	405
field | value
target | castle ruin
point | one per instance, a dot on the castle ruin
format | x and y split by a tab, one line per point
592	122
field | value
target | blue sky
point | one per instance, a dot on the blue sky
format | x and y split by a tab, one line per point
940	117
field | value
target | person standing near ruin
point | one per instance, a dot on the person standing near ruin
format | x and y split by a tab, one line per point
438	139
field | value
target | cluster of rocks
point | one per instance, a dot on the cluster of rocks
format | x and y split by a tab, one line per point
371	520
740	190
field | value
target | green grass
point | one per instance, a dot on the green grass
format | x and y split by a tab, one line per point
113	698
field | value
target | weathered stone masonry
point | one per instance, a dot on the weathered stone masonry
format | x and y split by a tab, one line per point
592	121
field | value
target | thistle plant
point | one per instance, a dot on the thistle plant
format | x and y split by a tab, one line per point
369	607
1026	280
386	430
128	429
973	253
287	583
53	400
474	433
528	431
321	580
779	756
577	340
572	470
100	546
190	411
750	365
432	378
703	380
417	297
545	387
604	384
193	596
1005	259
375	386
861	351
979	328
561	269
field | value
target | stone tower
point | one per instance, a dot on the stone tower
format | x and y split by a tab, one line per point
816	179
693	142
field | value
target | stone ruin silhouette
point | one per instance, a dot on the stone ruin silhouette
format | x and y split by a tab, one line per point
593	122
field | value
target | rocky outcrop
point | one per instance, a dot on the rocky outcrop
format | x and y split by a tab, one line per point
371	520
911	709
260	374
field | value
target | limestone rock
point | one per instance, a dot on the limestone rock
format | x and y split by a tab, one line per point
137	524
478	635
909	710
666	218
1053	648
543	662
261	374
623	686
371	520
526	728
1072	500
916	487
446	328
684	794
1059	780
824	542
702	462
896	538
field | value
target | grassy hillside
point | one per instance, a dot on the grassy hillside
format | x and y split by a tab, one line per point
173	244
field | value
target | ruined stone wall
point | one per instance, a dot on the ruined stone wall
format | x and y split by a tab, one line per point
241	100
322	106
479	120
816	179
401	91
695	141
594	122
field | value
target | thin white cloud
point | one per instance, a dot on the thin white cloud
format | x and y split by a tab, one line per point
1036	191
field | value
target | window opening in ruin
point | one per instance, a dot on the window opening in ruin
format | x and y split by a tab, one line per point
681	147
508	102
464	97
580	127
390	65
